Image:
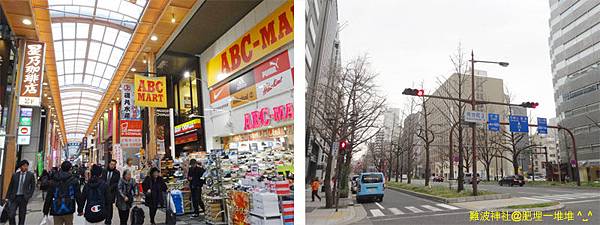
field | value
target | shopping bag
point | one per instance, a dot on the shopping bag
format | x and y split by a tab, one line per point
4	213
47	221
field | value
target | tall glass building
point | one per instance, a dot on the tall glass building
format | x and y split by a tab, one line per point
575	53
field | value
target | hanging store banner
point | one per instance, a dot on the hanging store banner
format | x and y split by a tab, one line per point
131	134
117	154
150	91
271	33
219	96
32	74
128	110
273	76
268	116
187	127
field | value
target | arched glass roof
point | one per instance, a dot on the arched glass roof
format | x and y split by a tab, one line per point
90	38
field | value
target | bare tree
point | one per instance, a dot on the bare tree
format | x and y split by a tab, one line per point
427	135
453	110
488	149
350	110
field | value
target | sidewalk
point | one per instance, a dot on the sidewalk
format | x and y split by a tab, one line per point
347	213
35	215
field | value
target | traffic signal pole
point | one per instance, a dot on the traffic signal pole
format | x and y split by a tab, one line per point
473	127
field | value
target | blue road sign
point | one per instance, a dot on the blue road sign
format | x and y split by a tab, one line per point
493	122
519	124
542	125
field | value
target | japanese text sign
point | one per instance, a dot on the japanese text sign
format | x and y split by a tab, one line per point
32	72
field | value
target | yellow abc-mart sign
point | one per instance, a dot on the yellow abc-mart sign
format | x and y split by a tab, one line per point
150	91
274	31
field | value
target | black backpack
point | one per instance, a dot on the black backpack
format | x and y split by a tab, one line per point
63	199
137	216
94	207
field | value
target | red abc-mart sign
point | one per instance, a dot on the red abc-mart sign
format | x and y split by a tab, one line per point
263	117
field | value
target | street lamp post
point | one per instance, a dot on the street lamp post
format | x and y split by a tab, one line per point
473	126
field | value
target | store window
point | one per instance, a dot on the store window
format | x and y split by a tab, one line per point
187	95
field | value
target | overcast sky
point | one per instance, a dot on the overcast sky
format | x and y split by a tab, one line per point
411	41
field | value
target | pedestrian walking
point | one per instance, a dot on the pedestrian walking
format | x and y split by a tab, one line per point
125	196
20	190
44	182
93	202
112	176
63	196
196	182
154	188
315	189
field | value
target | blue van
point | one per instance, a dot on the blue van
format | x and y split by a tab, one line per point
370	186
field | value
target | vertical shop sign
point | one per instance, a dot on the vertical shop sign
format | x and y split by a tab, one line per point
128	110
117	154
32	72
24	132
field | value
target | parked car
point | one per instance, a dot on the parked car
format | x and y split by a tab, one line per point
370	186
469	178
438	179
354	187
512	180
537	178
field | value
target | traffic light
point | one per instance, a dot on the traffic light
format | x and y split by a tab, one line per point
343	145
415	92
530	104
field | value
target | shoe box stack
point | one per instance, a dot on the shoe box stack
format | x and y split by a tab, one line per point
287	208
214	208
265	209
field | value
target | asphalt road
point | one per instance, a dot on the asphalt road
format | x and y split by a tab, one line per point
400	208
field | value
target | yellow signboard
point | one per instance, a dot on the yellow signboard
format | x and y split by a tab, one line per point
150	91
270	34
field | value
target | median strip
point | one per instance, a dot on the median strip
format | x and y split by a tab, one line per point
443	194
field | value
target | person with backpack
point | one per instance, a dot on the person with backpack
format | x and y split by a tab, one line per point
63	196
154	187
112	176
125	196
20	190
93	199
196	182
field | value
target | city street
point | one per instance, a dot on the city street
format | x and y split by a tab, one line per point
400	208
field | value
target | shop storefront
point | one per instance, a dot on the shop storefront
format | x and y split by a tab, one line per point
249	115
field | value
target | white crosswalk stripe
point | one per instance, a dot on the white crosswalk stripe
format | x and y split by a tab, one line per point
414	209
396	211
448	206
380	210
431	208
377	212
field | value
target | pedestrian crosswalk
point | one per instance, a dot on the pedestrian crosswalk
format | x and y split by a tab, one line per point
382	211
567	196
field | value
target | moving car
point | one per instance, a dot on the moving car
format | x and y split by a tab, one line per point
512	180
354	187
469	178
370	186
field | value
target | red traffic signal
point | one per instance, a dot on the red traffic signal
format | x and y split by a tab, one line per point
414	92
532	105
343	145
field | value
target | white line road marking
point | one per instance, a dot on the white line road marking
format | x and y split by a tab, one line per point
418	216
414	209
396	211
582	201
376	212
537	199
431	208
379	205
448	206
